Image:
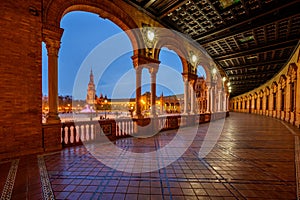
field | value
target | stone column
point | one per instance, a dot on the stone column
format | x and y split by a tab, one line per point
212	100
208	99
297	103
138	91
224	102
264	101
192	96
52	46
51	134
219	100
288	101
278	108
153	72
186	95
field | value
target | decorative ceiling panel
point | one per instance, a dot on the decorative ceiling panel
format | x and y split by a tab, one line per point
250	39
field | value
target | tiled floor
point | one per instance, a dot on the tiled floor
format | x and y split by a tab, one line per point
254	158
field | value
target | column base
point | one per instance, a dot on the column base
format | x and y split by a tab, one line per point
53	119
138	116
52	137
297	123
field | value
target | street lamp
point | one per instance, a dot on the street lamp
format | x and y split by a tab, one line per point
131	111
105	102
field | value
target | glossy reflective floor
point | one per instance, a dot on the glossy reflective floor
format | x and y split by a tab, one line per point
255	157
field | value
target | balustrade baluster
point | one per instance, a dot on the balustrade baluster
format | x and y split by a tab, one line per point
72	139
62	133
66	135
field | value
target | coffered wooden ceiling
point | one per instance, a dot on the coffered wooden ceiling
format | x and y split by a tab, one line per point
250	39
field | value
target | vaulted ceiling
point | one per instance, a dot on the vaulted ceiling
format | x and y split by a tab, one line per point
250	39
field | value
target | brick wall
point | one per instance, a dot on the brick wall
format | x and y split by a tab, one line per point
20	78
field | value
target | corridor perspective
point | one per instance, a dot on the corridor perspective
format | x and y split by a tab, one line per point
255	157
149	99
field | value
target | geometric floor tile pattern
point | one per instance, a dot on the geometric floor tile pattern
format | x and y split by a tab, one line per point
254	158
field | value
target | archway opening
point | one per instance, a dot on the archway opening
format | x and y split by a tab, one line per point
170	81
83	32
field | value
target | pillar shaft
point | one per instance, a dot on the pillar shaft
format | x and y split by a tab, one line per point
153	72
192	96
53	49
208	99
138	90
212	100
186	95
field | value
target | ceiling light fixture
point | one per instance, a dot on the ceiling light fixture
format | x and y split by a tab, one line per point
150	35
194	58
214	71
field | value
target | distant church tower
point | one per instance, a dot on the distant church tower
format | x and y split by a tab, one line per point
91	92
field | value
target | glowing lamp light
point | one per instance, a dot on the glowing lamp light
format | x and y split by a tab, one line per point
150	35
214	71
229	88
194	58
228	84
224	79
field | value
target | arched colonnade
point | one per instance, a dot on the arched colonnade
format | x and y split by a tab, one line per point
145	53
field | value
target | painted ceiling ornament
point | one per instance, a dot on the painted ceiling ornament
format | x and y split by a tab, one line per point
150	37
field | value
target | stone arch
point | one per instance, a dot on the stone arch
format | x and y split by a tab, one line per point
292	71
274	86
261	93
56	9
282	81
267	90
172	44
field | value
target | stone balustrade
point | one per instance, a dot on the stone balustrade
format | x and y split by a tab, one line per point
77	133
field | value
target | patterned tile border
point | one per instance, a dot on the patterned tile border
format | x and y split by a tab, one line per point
10	180
297	164
46	185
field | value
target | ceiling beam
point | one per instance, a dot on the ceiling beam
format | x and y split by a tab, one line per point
149	3
273	62
245	84
166	12
246	23
260	49
268	73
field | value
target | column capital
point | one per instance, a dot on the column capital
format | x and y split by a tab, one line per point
210	84
52	32
153	70
144	61
52	36
189	77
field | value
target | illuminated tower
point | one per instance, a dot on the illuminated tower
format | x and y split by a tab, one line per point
91	92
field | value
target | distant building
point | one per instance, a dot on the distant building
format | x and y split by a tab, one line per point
91	91
201	94
164	104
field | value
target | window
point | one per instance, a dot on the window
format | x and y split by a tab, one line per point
245	104
255	102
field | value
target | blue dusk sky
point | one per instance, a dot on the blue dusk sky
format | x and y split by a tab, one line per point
90	42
